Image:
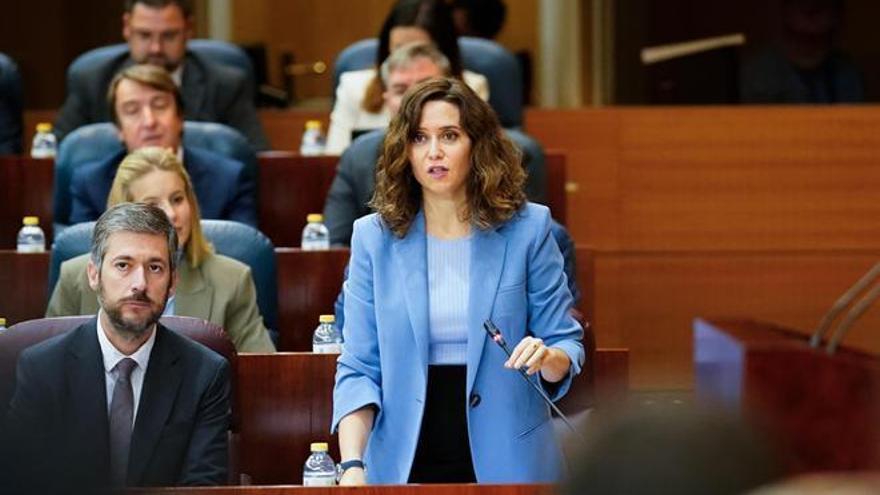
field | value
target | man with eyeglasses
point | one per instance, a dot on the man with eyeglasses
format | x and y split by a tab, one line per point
147	109
157	32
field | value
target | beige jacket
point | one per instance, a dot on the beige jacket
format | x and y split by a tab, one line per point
221	291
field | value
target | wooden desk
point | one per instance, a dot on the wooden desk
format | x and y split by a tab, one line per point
27	190
23	280
359	490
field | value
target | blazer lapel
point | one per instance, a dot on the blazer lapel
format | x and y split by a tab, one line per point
159	392
411	257
85	380
488	248
193	296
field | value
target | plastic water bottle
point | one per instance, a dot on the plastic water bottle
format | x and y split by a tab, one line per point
315	236
312	140
327	339
31	238
44	144
320	470
2	325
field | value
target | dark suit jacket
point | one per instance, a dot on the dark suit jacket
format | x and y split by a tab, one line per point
224	189
58	421
10	107
211	92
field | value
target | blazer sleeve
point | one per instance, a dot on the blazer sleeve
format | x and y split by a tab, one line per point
66	296
243	321
342	207
549	303
358	372
207	458
344	114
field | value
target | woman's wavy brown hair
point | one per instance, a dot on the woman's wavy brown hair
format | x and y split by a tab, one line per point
495	184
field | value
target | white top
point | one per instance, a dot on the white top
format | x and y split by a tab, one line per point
348	115
449	267
112	356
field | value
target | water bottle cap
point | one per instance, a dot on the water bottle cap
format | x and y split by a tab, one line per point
2	322
31	220
327	318
315	218
313	124
319	447
44	127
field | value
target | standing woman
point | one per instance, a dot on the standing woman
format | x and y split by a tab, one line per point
421	394
210	286
360	104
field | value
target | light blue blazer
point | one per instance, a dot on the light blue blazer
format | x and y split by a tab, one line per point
516	279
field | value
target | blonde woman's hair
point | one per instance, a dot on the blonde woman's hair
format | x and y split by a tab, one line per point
145	160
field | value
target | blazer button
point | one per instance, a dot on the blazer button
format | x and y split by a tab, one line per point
475	400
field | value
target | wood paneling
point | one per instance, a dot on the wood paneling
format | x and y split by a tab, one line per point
719	178
23	280
27	190
470	489
647	301
308	284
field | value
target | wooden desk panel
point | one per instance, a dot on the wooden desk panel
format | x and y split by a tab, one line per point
286	403
308	284
284	128
27	190
711	178
23	280
291	187
356	490
647	301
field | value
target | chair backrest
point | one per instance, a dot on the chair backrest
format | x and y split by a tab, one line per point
217	51
98	141
25	334
236	240
11	104
478	55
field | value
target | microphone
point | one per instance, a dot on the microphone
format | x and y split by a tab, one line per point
854	314
842	302
496	336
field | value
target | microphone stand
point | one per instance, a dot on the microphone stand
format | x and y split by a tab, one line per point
854	314
842	302
496	336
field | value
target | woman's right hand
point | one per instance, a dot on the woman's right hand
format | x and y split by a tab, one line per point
353	476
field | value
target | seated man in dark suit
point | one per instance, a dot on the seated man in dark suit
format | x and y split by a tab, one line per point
147	110
121	400
157	32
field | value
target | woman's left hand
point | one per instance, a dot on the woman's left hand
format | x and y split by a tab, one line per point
531	352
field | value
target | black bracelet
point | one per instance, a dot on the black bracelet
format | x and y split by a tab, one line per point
345	466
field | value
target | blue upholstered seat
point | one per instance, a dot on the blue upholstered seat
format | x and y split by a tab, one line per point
236	240
98	141
478	55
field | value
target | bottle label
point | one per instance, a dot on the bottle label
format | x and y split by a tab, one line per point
327	348
319	479
31	248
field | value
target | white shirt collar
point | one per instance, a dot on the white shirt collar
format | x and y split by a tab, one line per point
112	355
177	75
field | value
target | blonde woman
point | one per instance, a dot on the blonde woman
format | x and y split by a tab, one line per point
210	286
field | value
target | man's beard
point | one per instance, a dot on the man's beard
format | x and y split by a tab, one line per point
128	327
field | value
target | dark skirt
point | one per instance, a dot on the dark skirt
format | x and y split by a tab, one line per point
443	454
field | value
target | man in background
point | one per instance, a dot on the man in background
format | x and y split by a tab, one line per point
146	108
157	32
